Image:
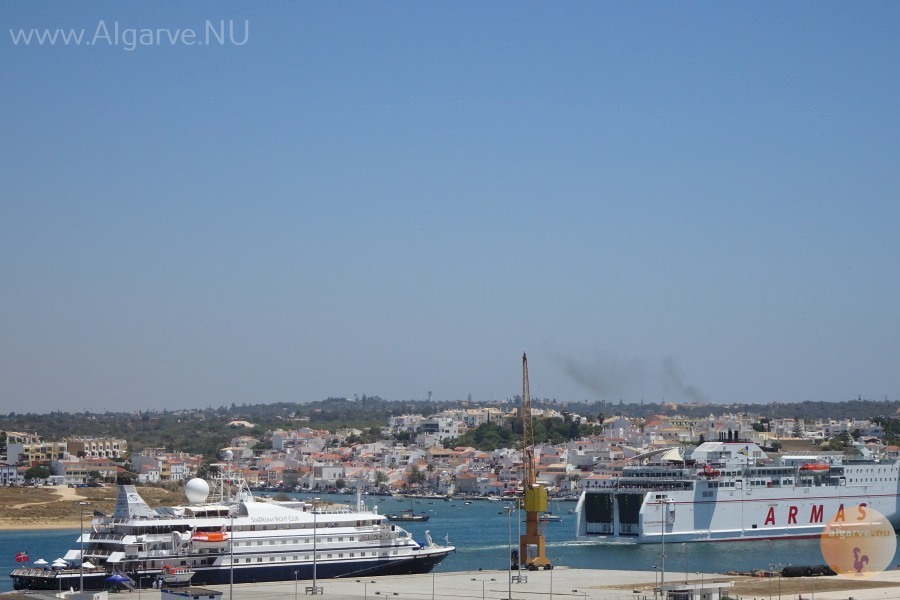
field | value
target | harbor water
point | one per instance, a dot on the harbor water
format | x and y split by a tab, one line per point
483	533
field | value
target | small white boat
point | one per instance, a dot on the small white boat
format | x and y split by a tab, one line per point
174	576
549	517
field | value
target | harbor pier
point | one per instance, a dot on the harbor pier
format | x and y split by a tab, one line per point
560	583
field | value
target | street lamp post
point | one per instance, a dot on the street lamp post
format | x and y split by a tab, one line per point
315	589
775	568
509	552
231	559
295	585
315	553
365	586
662	526
482	584
81	537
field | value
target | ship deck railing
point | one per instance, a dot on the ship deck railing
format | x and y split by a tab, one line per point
99	553
99	537
34	572
49	573
658	485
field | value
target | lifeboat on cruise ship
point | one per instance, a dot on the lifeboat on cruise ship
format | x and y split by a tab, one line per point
709	472
210	536
814	468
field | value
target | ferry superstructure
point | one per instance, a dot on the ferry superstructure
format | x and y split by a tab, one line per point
233	539
729	491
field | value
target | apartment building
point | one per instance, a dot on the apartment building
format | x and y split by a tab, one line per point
35	452
90	447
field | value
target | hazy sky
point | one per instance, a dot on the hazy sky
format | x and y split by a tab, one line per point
654	200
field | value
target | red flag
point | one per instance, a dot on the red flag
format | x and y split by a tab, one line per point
22	557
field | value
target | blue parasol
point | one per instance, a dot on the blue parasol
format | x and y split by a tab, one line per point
117	578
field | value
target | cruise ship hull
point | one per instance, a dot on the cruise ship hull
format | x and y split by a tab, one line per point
39	579
733	517
734	502
233	538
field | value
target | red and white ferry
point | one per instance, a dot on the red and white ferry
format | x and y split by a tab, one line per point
733	491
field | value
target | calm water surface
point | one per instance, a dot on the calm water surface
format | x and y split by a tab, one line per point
482	533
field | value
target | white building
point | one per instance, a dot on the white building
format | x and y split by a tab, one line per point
442	428
9	475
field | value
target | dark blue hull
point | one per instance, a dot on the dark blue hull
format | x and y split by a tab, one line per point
419	563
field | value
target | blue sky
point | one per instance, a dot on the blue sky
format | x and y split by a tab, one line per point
655	201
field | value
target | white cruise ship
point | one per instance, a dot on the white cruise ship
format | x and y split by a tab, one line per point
232	538
732	491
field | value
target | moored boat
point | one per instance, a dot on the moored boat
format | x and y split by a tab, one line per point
174	576
407	516
228	536
733	491
549	517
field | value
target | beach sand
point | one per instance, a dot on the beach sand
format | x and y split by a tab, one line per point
57	507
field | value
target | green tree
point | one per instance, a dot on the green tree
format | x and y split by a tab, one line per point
207	470
416	476
835	444
38	472
488	436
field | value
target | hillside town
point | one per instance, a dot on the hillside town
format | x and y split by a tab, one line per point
412	454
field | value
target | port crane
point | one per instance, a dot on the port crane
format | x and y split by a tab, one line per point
532	552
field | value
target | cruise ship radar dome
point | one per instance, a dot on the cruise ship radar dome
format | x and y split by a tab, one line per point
196	490
228	455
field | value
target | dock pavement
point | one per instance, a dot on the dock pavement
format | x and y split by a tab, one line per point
560	583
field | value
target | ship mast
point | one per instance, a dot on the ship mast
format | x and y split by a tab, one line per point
531	543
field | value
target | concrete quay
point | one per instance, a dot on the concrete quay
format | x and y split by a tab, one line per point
567	584
561	583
